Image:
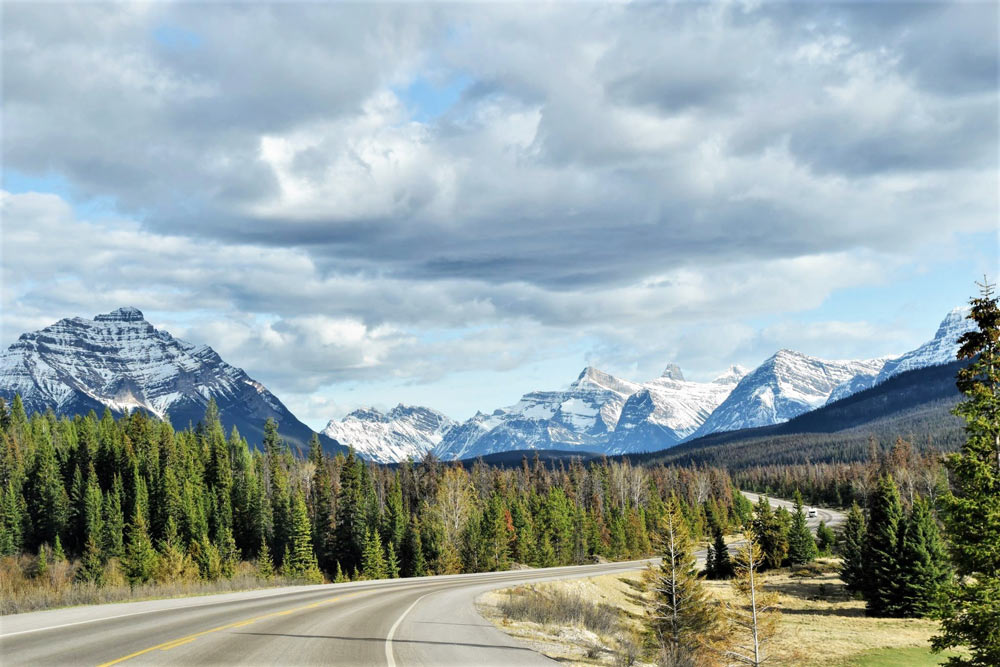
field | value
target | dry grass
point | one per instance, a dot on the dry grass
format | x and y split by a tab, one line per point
820	623
20	591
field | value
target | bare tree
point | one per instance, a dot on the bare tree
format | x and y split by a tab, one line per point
755	621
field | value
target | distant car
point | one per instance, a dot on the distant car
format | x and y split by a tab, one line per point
812	512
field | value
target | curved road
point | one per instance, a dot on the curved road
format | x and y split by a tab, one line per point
421	621
833	518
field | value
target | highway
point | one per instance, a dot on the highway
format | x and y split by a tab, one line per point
420	621
833	518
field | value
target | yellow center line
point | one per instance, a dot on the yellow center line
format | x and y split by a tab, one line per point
173	643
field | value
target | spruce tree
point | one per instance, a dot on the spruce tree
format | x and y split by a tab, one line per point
722	565
265	564
373	564
140	557
881	554
972	509
825	539
772	535
924	571
413	562
91	565
681	614
853	569
801	545
302	563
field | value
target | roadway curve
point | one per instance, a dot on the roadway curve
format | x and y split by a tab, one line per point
420	621
833	518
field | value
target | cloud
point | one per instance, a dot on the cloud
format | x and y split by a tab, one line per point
642	182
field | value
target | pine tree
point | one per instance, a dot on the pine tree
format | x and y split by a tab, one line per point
42	562
47	498
772	536
373	558
825	539
721	564
756	620
391	562
972	509
91	565
140	557
924	572
113	539
414	564
853	569
301	562
801	545
882	549
681	615
58	555
265	564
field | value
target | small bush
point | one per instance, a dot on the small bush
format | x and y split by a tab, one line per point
556	607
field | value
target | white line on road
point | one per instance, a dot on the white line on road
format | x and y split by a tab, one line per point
392	631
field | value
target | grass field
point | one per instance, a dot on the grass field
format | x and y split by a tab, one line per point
820	623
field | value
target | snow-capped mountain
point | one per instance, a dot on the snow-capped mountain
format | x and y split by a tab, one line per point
938	350
669	409
580	417
784	386
120	361
405	432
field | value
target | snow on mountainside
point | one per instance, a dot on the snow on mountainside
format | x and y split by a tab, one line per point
579	418
939	350
405	432
120	361
669	409
784	386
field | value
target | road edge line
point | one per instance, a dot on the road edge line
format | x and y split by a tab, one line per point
390	661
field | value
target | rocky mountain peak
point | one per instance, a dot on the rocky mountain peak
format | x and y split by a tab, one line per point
124	314
673	372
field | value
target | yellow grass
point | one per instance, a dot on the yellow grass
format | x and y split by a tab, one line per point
820	623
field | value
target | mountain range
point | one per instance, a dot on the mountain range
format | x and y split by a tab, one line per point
121	362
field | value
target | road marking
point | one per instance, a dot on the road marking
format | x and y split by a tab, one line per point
392	631
173	643
150	611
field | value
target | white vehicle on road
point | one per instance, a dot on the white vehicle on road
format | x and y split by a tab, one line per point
811	513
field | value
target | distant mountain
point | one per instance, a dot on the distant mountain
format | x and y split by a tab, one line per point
120	361
579	418
913	404
786	385
938	350
405	432
669	409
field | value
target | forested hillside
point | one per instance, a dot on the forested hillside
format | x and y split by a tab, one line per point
133	498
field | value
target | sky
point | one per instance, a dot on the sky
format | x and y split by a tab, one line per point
451	205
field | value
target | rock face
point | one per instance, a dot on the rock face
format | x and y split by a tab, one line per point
580	417
120	361
405	432
668	410
938	350
784	386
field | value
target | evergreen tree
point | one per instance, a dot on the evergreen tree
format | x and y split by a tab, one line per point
303	561
772	536
265	564
391	562
882	549
682	615
755	620
58	555
720	566
413	562
924	572
350	533
972	509
853	569
113	538
825	539
140	557
91	565
801	545
47	497
373	564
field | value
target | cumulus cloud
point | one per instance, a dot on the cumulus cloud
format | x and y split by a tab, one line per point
649	182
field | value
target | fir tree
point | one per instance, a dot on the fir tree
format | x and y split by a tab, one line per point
91	565
265	564
772	536
373	564
58	555
113	538
681	614
391	562
302	563
140	557
801	545
972	510
924	571
413	562
721	565
882	549
853	569
825	539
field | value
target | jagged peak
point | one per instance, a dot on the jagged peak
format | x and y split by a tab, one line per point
734	373
673	371
370	414
123	314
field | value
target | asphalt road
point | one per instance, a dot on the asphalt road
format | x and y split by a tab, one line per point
833	518
422	621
